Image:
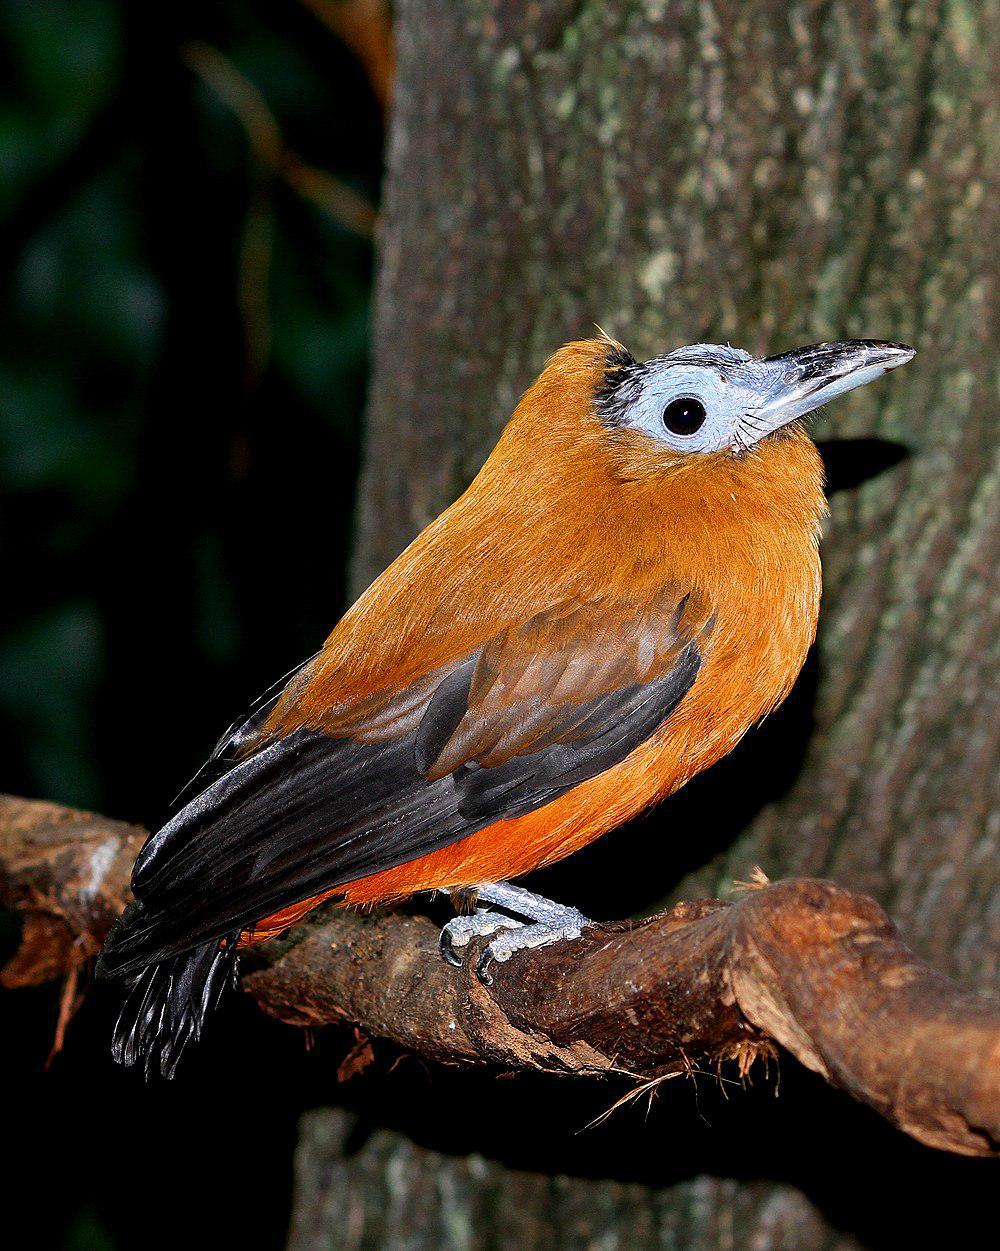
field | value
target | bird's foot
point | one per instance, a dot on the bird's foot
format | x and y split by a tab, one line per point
457	934
547	922
527	937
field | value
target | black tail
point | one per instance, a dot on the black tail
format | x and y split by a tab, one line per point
167	1005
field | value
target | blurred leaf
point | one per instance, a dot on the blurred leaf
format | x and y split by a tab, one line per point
84	271
51	667
320	353
66	61
87	1232
47	440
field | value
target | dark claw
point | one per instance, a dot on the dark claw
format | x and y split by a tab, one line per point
448	952
483	965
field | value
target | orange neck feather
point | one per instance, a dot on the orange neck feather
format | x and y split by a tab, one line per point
564	509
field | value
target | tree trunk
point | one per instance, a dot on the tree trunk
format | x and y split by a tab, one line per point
767	174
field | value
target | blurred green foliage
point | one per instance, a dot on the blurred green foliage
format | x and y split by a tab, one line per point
182	376
184	337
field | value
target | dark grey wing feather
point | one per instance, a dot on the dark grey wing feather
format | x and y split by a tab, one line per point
309	812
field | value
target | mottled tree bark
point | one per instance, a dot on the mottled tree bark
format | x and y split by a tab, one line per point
769	174
394	1194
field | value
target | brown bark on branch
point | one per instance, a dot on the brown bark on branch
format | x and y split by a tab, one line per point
802	963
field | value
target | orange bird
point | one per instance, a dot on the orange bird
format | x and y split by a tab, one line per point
630	583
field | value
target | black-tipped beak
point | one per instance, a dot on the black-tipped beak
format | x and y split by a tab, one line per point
795	383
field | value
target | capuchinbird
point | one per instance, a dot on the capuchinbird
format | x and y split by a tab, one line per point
631	582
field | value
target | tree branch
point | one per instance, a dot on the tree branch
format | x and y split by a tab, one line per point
805	964
330	194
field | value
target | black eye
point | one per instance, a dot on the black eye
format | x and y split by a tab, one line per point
684	416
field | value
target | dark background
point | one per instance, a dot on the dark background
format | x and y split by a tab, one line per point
182	377
177	477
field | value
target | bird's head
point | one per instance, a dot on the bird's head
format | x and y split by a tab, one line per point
712	399
702	448
708	411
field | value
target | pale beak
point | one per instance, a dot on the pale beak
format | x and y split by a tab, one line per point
795	383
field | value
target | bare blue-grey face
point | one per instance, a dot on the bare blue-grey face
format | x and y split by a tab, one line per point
711	397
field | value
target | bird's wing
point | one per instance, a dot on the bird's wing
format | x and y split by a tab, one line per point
536	710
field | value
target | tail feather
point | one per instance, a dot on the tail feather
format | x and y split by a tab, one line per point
168	1003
